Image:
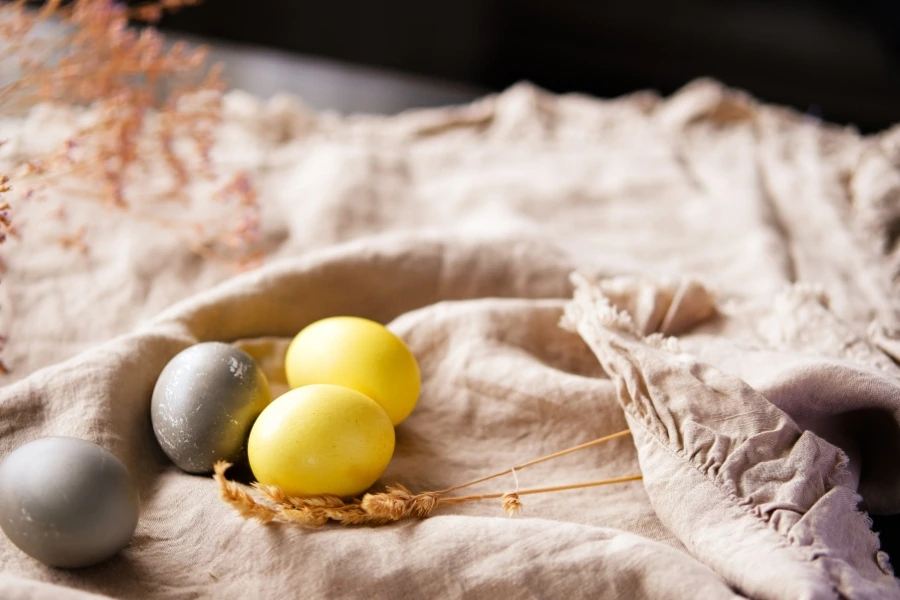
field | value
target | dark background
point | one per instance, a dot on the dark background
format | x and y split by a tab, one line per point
838	59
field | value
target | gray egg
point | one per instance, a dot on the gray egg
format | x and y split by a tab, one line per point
67	502
204	404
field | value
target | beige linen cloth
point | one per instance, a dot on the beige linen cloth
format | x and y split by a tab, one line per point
764	242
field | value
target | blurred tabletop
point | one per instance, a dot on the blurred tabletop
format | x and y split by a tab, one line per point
326	84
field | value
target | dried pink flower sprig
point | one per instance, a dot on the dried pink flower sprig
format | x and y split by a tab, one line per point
93	57
154	106
153	111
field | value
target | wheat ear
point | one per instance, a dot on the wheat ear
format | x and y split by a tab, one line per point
272	504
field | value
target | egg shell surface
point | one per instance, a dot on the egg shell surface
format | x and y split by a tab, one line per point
204	404
67	502
358	354
321	439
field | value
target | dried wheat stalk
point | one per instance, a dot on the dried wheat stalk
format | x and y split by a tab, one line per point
513	470
395	504
511	504
237	496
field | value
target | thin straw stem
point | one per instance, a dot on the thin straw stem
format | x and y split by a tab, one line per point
558	488
606	438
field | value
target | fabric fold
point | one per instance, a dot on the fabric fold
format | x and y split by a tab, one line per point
772	508
459	227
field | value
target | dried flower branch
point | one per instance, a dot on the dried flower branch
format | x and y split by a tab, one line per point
6	225
75	240
136	86
148	112
6	229
395	504
152	107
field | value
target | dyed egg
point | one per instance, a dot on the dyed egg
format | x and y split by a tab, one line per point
359	354
67	502
321	439
204	404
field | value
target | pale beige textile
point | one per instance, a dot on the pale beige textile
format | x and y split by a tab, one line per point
735	305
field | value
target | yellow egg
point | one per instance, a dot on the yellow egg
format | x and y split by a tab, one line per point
359	354
321	439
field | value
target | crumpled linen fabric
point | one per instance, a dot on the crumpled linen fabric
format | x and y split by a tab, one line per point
715	274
